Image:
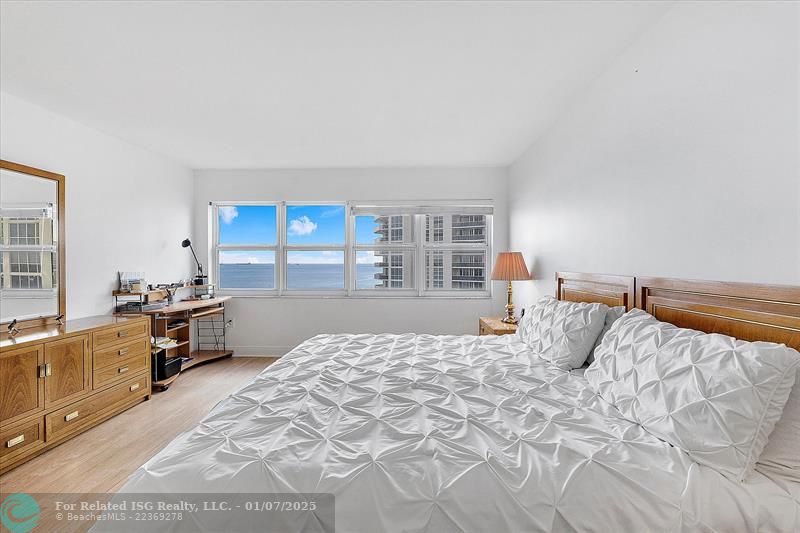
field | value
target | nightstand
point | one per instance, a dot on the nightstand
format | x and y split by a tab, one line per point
490	325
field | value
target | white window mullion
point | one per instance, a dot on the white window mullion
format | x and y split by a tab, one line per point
350	266
420	244
280	257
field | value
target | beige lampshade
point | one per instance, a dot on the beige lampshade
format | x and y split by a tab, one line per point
510	266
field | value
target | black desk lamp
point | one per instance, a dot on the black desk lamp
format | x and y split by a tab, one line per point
199	279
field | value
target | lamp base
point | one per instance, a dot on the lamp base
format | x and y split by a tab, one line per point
509	318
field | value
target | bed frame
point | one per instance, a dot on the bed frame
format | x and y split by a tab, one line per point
747	311
596	288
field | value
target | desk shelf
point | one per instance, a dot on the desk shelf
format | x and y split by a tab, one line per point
203	318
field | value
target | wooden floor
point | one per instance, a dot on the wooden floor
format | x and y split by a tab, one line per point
101	459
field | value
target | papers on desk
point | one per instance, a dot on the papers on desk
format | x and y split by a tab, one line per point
165	343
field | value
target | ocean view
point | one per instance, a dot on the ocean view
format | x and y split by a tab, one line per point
298	276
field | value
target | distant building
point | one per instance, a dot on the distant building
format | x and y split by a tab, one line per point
467	270
396	270
27	248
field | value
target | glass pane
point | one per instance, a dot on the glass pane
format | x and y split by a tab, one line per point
29	243
455	270
315	270
315	224
376	229
454	229
246	269
248	224
385	269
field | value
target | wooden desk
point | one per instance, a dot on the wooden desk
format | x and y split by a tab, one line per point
189	306
175	321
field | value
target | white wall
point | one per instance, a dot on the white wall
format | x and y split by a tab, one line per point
680	160
274	325
126	208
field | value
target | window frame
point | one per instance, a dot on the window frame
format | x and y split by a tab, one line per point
286	248
453	247
419	248
390	247
216	248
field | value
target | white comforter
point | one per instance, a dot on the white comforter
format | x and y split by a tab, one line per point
452	433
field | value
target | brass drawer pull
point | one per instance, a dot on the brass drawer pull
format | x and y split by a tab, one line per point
16	440
48	369
123	333
122	369
134	387
123	351
42	371
72	416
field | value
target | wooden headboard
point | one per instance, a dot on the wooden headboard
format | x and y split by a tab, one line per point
595	288
743	310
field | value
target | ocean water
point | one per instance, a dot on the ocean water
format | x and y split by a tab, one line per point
298	276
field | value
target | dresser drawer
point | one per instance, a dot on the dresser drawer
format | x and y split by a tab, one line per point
116	354
110	336
120	370
21	440
84	413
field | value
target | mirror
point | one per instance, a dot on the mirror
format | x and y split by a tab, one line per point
32	280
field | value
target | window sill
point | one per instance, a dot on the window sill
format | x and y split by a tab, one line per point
323	296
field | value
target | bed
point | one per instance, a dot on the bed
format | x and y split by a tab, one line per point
466	433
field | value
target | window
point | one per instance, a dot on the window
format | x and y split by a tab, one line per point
434	228
247	241
434	262
385	251
352	249
315	247
25	270
23	233
457	250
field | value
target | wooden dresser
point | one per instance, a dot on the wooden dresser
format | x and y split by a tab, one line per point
58	381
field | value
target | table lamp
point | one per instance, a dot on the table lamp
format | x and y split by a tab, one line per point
510	266
199	279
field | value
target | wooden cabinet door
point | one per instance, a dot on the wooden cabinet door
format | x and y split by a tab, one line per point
68	364
21	387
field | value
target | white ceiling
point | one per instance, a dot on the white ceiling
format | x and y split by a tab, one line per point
305	84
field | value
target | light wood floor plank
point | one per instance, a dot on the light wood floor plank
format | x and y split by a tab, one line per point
101	459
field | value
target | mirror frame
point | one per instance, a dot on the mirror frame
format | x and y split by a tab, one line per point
62	256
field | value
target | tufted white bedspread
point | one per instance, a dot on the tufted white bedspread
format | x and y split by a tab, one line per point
453	433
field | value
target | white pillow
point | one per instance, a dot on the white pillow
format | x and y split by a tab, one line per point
525	323
564	332
611	316
715	397
782	453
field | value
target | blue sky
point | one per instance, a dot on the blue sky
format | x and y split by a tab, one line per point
365	229
247	224
305	225
314	224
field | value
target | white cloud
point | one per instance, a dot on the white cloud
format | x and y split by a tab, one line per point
227	213
302	226
366	258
